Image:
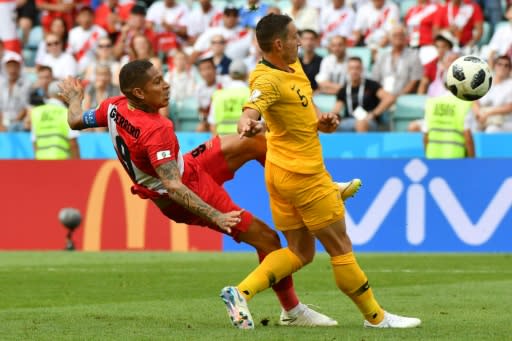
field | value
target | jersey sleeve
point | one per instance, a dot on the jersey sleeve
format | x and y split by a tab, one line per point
162	146
97	117
264	92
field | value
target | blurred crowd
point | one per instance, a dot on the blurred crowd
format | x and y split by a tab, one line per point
361	56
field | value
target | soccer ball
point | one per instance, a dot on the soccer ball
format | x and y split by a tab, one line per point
469	78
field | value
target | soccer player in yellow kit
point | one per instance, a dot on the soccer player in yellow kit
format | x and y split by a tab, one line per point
305	202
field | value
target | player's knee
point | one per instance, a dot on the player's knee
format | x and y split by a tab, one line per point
271	239
305	255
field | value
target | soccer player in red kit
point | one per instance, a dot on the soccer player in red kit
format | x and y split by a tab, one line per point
187	188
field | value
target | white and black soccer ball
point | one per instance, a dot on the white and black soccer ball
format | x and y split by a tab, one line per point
469	78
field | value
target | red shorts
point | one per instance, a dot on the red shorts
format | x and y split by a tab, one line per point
206	170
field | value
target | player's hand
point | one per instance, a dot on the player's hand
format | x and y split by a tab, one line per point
70	89
228	220
249	127
328	122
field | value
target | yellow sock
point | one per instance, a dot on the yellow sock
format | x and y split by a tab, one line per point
353	282
276	266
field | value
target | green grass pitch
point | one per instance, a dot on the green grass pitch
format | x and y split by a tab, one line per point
166	296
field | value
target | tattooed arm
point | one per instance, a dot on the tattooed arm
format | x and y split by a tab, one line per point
72	93
170	176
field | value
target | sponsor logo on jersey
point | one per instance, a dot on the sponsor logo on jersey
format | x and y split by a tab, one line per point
164	154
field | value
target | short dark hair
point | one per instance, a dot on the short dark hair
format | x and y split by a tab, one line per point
42	68
505	58
355	59
269	28
310	31
86	9
134	75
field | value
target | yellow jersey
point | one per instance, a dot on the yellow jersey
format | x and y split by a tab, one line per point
284	99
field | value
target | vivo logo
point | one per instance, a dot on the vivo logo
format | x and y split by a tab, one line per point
471	233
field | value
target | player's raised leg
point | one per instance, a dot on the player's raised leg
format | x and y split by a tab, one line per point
238	151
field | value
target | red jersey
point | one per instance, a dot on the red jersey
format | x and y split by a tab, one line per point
430	69
103	11
464	17
419	20
143	141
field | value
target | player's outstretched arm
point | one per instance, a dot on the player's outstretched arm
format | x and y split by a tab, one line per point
250	124
72	92
170	176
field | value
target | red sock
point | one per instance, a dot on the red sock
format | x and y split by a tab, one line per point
284	290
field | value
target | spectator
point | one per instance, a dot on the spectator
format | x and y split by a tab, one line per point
398	70
5	53
501	42
39	90
59	28
84	38
28	17
447	132
436	87
254	56
111	15
201	19
494	111
419	20
304	16
252	13
62	63
444	43
333	67
361	101
181	78
238	39
8	29
14	95
135	25
336	20
493	11
52	137
101	89
103	55
463	19
205	90
228	102
141	48
220	59
52	9
309	59
374	21
168	16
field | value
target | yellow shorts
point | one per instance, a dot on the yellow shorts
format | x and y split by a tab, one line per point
297	200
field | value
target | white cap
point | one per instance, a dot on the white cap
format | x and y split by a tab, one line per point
237	68
10	56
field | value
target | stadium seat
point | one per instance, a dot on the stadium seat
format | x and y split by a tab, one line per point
362	52
324	102
405	5
187	115
408	108
322	51
486	34
34	38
